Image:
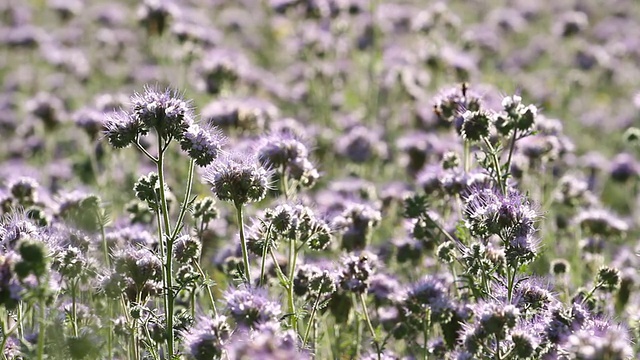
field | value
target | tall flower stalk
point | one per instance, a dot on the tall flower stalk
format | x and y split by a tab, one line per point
172	119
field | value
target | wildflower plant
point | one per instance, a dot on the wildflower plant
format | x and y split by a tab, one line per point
170	119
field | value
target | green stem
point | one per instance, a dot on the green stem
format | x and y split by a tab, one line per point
209	292
311	321
591	292
185	202
425	332
293	254
466	156
243	244
168	266
20	325
512	146
74	312
109	332
363	301
511	277
496	163
41	329
263	262
281	276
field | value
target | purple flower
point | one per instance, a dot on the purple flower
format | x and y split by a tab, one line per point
163	111
202	143
264	342
239	179
121	129
207	338
357	271
508	215
250	307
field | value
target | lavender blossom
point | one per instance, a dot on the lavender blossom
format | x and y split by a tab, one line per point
207	338
202	143
239	179
251	307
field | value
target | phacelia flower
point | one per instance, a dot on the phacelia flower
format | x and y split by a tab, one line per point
206	339
357	272
240	180
163	111
250	307
202	143
186	249
121	129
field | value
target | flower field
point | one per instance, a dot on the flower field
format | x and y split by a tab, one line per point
319	179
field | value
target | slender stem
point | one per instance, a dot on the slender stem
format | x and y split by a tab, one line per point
425	332
243	244
20	325
293	254
41	329
145	152
109	332
466	156
74	312
192	299
105	246
496	163
363	301
311	320
265	250
209	292
591	292
185	202
281	276
511	148
168	266
314	338
511	277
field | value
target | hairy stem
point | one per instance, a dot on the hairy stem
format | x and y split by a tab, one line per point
311	320
363	301
168	266
243	244
209	292
293	255
41	329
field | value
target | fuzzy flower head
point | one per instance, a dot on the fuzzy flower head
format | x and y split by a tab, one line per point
279	149
451	103
431	292
122	130
250	307
357	272
165	111
488	212
285	151
241	180
206	339
266	341
202	143
476	125
599	341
